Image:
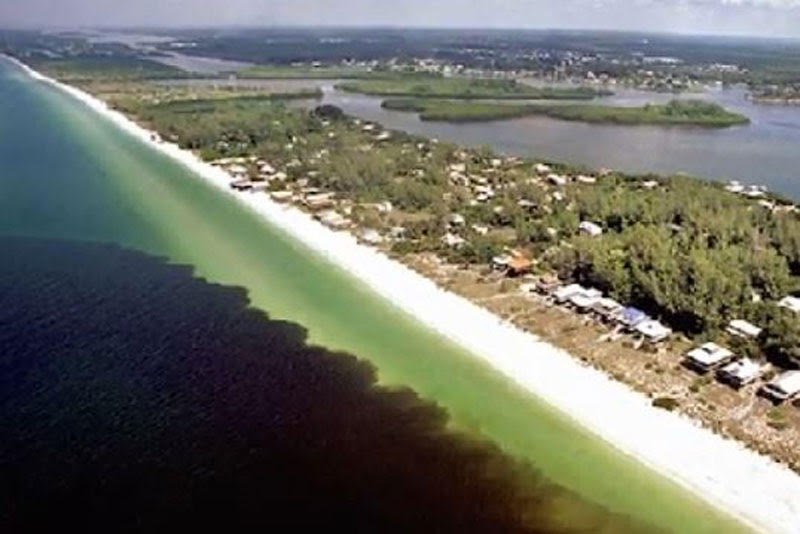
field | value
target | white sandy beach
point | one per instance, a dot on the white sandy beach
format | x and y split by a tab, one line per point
763	493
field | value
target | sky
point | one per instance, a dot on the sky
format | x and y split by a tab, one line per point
778	18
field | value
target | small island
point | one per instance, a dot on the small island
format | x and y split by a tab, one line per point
465	89
677	112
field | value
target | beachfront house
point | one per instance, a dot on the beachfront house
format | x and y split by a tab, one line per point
333	220
742	328
316	201
281	196
590	228
734	187
740	373
547	284
785	387
607	309
790	303
653	331
371	237
564	293
630	317
519	265
515	263
242	185
708	357
584	300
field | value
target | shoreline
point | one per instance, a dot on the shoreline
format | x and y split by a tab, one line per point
742	483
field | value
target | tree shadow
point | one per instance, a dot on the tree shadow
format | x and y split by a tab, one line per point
137	397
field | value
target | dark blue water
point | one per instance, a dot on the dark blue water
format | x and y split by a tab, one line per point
137	397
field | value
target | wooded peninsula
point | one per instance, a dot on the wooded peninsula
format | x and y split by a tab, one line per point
676	112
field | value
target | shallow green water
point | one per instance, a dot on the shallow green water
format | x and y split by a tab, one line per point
66	172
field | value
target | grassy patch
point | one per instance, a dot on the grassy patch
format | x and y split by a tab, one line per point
777	418
667	403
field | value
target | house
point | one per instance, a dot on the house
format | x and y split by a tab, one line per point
515	263
708	357
740	373
630	317
547	284
734	187
519	265
281	196
590	228
783	388
607	309
741	328
557	179
653	331
371	237
241	185
585	299
541	168
480	229
650	184
583	179
564	293
333	220
458	167
501	262
754	191
317	201
456	219
453	240
397	232
384	207
790	303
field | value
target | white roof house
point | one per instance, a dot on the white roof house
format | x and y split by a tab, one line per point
371	236
653	330
541	168
708	356
564	293
557	179
790	303
742	328
453	240
734	187
456	219
741	372
587	298
590	228
607	307
333	220
784	387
